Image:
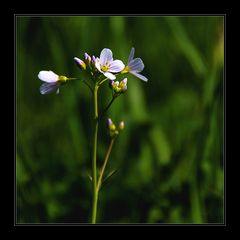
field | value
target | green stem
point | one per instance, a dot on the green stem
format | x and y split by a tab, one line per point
88	86
94	158
107	107
100	82
104	164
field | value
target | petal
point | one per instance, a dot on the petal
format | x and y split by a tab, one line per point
105	56
109	75
97	65
116	66
131	55
136	65
48	87
139	76
48	76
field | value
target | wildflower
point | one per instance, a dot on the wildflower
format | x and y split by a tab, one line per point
135	66
106	65
52	81
118	87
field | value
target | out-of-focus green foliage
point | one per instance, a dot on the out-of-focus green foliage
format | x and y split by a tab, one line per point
169	157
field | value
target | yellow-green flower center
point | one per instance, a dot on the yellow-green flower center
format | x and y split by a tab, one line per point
105	68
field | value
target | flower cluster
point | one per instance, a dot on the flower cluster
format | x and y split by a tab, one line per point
100	68
117	87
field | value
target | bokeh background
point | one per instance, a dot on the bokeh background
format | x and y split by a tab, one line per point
169	158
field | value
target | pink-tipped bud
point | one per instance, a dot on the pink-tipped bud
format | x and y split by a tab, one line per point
124	81
86	56
80	63
109	121
111	125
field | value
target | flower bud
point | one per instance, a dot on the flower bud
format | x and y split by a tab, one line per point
117	87
123	85
112	128
111	125
121	125
80	63
93	60
87	59
111	82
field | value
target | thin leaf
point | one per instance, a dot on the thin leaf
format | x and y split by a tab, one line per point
90	177
109	175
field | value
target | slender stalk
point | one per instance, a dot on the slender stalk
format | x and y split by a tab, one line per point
94	158
107	107
104	164
85	82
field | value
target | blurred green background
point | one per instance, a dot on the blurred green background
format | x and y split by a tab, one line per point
169	157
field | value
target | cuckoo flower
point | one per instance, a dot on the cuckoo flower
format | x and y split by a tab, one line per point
107	66
135	66
52	81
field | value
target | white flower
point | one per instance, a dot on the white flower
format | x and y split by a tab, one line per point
106	65
135	66
52	81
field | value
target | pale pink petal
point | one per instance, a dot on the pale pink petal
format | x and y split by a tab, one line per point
78	61
139	76
48	76
136	65
49	87
97	65
109	75
116	66
131	55
106	56
124	80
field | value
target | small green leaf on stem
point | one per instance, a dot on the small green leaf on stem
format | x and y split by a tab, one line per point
109	175
90	177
